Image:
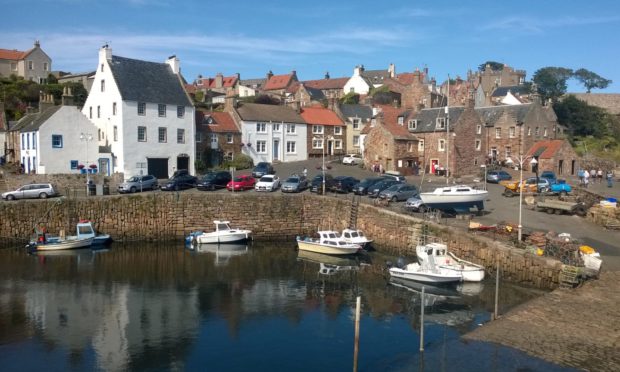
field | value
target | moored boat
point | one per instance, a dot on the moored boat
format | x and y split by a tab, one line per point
356	236
425	273
223	234
329	242
85	237
457	198
438	253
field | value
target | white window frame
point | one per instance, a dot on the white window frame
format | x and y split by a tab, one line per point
142	134
529	131
317	143
356	141
30	65
161	110
498	132
318	129
141	108
198	138
229	138
356	123
114	108
440	123
544	131
213	139
261	127
508	151
478	145
180	135
180	112
290	128
401	120
413	124
512	132
421	145
337	131
479	129
261	147
441	145
338	144
276	127
291	147
162	134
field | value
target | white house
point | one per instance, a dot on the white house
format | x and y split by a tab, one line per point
59	140
272	133
357	83
143	115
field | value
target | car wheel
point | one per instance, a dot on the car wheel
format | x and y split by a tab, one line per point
563	194
43	195
10	197
394	199
133	189
422	208
176	187
212	188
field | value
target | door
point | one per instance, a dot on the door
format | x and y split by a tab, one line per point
104	166
561	167
183	162
158	167
330	147
434	163
276	149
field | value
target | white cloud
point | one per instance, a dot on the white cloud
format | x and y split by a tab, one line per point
526	24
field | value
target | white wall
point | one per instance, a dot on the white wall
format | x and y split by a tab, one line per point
250	136
244	91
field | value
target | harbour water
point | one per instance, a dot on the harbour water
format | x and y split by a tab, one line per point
236	308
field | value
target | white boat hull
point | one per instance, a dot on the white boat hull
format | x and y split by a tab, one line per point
467	272
316	247
419	274
229	236
63	244
455	201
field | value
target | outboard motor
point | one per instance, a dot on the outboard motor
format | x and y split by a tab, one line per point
401	263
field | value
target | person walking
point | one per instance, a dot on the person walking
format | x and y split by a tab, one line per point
305	172
580	175
610	178
599	175
586	176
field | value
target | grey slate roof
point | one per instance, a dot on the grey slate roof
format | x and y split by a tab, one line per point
32	122
266	113
315	94
152	82
427	118
361	111
376	76
514	89
253	82
489	115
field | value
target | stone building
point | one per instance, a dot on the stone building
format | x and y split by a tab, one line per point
556	155
356	118
303	95
330	87
218	138
389	143
276	86
33	64
416	90
326	134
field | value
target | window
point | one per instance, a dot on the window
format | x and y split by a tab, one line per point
98	112
478	129
13	66
338	144
213	139
180	111
73	164
529	131
90	112
180	135
410	146
442	145
261	147
161	110
508	151
401	120
162	135
338	131
198	137
291	147
356	123
498	132
537	132
545	132
23	141
441	123
103	85
413	124
373	122
115	133
511	132
421	145
478	145
141	108
290	128
276	127
317	129
113	108
30	65
28	141
317	143
34	142
141	134
229	138
102	67
261	128
356	141
57	141
45	66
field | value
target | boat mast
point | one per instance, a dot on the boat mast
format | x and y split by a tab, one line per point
447	132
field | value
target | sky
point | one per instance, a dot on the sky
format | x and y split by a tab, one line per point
315	37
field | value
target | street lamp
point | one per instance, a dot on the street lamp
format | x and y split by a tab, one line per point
485	175
86	137
533	164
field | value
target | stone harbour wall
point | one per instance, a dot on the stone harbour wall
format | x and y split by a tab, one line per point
163	216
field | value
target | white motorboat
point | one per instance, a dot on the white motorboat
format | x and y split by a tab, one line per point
355	236
329	242
223	234
427	273
457	198
470	272
85	229
85	238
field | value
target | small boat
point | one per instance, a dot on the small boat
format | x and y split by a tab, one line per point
329	242
425	273
356	236
470	272
457	198
223	234
60	243
85	229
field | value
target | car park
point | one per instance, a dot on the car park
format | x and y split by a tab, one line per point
549	175
559	187
353	159
295	183
394	176
317	183
375	189
262	169
139	183
529	185
31	191
344	184
497	176
268	182
214	180
241	182
361	188
415	204
399	192
179	182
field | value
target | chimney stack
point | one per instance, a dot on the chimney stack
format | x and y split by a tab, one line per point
326	75
219	80
269	75
174	64
105	54
45	101
67	97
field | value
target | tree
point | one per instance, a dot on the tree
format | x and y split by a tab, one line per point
591	80
495	66
265	99
350	98
551	82
581	118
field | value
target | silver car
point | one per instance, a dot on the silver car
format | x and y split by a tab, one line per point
399	192
294	183
31	191
139	183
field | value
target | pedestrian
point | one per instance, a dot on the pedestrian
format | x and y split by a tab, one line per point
592	175
381	170
580	175
599	175
416	168
610	178
586	175
305	172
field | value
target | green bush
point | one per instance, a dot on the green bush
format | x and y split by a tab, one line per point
241	161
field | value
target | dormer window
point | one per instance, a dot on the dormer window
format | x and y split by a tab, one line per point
413	124
441	123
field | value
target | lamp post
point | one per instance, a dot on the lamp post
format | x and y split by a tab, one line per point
86	137
485	175
322	138
520	188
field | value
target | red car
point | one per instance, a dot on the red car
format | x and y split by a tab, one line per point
240	183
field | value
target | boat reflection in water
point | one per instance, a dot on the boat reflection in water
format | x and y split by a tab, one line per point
223	251
330	265
84	256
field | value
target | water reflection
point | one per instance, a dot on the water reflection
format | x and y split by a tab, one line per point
223	251
139	307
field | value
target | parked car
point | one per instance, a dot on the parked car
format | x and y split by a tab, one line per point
295	183
317	183
353	159
180	172
497	176
179	182
362	187
528	185
241	182
139	183
559	187
31	191
394	175
399	192
268	182
344	184
375	189
214	180
262	169
415	204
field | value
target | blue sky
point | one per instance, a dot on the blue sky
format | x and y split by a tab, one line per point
253	37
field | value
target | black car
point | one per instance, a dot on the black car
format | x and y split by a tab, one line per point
180	182
317	183
374	190
214	180
362	187
344	184
262	169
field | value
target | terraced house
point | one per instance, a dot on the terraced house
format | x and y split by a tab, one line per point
33	64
